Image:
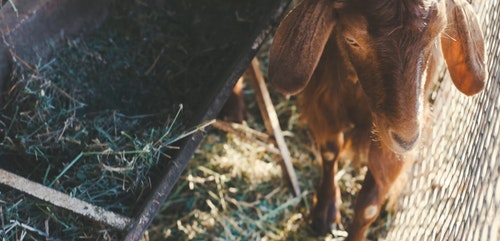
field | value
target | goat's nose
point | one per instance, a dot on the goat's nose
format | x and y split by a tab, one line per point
407	142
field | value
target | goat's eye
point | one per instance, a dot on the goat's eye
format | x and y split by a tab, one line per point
352	42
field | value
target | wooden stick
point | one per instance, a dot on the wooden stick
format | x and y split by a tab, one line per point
264	137
240	131
271	120
62	200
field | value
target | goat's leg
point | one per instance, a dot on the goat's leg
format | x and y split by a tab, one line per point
234	108
384	168
325	210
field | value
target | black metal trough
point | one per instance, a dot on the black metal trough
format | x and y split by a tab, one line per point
33	31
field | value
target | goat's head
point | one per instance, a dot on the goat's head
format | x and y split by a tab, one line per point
388	43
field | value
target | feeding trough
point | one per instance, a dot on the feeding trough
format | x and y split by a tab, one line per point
101	70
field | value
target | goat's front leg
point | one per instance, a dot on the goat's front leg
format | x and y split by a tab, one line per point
384	168
325	210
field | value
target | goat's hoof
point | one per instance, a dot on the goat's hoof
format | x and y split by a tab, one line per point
323	218
338	231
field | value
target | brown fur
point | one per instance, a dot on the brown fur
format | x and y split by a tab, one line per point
234	108
368	63
326	95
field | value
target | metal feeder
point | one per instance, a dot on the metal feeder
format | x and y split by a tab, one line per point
33	30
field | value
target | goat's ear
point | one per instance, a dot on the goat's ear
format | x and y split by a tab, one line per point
299	43
462	44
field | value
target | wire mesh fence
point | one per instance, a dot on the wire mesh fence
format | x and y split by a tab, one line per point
454	187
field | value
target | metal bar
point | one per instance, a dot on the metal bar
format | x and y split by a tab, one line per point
160	194
62	200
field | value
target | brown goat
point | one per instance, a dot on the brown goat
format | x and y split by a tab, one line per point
362	68
234	108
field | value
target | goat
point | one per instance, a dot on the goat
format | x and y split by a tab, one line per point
361	68
234	108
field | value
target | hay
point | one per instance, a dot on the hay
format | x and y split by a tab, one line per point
92	123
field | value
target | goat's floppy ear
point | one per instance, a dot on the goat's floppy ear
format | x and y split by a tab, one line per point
299	43
463	47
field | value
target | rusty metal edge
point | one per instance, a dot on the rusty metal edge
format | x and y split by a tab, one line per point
213	107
